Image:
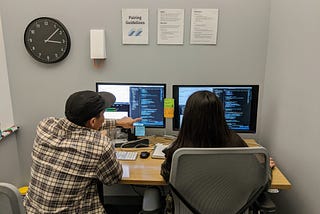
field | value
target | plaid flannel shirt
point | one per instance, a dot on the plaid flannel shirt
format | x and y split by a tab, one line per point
67	162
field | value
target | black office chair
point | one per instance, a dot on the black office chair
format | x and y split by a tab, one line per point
217	180
10	199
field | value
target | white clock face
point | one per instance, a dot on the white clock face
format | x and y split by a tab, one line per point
47	40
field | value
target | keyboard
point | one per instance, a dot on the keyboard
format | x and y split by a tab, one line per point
124	155
157	152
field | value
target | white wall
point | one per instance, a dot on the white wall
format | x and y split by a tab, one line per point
6	115
291	103
9	158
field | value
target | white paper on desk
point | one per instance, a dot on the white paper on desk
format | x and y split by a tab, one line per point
204	26
125	171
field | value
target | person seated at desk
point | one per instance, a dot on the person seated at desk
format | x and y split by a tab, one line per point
70	155
203	125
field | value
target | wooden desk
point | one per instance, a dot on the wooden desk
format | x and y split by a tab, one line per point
147	171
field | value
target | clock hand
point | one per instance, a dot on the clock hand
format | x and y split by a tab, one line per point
51	35
52	41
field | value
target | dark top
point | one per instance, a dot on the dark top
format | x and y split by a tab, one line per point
234	141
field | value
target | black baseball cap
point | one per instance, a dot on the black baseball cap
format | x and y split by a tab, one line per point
84	105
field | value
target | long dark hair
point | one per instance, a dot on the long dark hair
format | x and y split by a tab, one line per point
203	123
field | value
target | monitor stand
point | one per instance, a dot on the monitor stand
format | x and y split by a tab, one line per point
131	135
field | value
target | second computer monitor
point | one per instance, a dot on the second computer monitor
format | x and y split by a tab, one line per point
240	104
145	100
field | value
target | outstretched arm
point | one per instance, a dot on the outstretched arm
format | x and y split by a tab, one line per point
127	122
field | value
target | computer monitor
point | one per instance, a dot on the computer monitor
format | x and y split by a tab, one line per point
145	100
240	104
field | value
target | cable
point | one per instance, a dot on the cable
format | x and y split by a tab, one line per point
140	143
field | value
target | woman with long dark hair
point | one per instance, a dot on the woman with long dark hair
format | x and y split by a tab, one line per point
203	126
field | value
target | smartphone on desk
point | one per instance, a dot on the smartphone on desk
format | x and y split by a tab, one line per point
139	129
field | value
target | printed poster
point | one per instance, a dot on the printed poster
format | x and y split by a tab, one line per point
135	26
204	26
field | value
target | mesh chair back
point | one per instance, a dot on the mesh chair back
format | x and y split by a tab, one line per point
10	199
218	180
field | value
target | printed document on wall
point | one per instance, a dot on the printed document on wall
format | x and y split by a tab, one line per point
170	26
204	26
135	26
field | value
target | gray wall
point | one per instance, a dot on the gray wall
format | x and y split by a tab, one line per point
291	104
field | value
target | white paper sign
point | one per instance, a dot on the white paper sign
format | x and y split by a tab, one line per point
204	26
170	26
135	26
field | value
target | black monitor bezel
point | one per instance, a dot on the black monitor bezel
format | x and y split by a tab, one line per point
254	105
142	84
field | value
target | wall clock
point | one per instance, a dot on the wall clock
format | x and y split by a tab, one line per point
47	40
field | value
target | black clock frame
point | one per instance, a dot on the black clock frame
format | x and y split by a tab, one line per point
47	45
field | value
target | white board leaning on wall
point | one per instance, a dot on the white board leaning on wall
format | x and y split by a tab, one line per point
6	114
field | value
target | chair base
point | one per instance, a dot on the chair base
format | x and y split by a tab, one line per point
151	201
264	205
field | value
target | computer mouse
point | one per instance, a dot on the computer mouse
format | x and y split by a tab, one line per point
144	155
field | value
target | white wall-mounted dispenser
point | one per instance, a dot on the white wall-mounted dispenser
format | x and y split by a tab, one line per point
98	44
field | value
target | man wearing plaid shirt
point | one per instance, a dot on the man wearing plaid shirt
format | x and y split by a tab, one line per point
70	155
